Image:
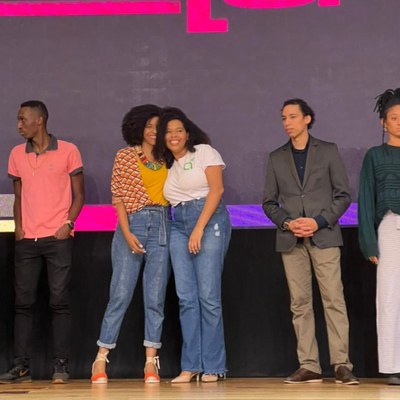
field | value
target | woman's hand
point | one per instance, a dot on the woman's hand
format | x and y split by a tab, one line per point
131	239
374	259
194	243
134	244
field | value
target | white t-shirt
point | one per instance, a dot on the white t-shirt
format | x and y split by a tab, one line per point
186	178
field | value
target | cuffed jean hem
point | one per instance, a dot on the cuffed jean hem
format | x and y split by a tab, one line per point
198	370
153	345
106	346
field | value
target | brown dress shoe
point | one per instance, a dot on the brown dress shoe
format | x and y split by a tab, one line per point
303	375
345	376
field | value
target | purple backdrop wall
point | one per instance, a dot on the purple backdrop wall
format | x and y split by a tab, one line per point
91	69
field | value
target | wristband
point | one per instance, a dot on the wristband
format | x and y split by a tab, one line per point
70	223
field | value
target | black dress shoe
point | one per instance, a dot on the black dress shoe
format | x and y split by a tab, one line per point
303	375
345	376
394	379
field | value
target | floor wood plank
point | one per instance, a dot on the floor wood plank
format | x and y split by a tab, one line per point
230	389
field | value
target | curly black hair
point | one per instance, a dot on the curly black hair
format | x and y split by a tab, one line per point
135	121
304	107
387	99
196	135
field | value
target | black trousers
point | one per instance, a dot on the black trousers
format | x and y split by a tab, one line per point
30	257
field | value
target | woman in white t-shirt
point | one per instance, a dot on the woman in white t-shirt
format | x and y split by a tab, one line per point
200	235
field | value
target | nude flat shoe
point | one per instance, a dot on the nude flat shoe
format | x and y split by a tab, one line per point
207	378
186	377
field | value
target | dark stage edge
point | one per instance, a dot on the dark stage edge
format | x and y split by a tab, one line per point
260	341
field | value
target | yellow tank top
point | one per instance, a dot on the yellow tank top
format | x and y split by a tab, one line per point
153	181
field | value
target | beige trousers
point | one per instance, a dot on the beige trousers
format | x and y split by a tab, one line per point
298	264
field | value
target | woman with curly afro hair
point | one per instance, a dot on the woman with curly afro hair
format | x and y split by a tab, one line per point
141	238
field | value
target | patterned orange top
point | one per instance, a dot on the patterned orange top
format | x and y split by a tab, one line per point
126	182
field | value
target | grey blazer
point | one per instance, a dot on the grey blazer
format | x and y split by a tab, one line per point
325	191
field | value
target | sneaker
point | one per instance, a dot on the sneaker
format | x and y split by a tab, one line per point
60	372
18	373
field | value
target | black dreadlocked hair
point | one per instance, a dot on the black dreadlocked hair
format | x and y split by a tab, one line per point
387	99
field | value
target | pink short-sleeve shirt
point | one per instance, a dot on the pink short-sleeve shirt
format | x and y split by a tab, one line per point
46	194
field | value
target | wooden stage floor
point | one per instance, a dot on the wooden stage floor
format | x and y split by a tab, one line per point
230	389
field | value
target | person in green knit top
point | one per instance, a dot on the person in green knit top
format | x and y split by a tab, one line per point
379	230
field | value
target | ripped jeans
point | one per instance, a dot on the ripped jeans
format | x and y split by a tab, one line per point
198	286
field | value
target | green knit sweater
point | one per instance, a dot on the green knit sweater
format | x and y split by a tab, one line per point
379	193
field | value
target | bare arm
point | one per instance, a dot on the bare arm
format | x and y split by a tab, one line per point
78	193
214	179
78	198
19	233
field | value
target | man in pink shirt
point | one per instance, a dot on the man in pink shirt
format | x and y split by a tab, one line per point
49	194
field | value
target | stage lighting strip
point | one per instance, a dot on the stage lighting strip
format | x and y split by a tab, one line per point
102	217
7	225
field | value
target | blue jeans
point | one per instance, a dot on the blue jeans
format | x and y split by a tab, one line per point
151	226
198	286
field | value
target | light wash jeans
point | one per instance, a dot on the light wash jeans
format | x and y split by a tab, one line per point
198	286
151	226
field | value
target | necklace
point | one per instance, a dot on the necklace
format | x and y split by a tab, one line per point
153	165
38	164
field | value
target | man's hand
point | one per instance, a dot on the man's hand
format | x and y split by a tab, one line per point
19	233
303	227
63	232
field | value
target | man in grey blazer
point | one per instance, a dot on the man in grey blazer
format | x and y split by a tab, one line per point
306	192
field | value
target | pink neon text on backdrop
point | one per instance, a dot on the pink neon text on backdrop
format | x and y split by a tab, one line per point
199	18
199	11
279	3
63	8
